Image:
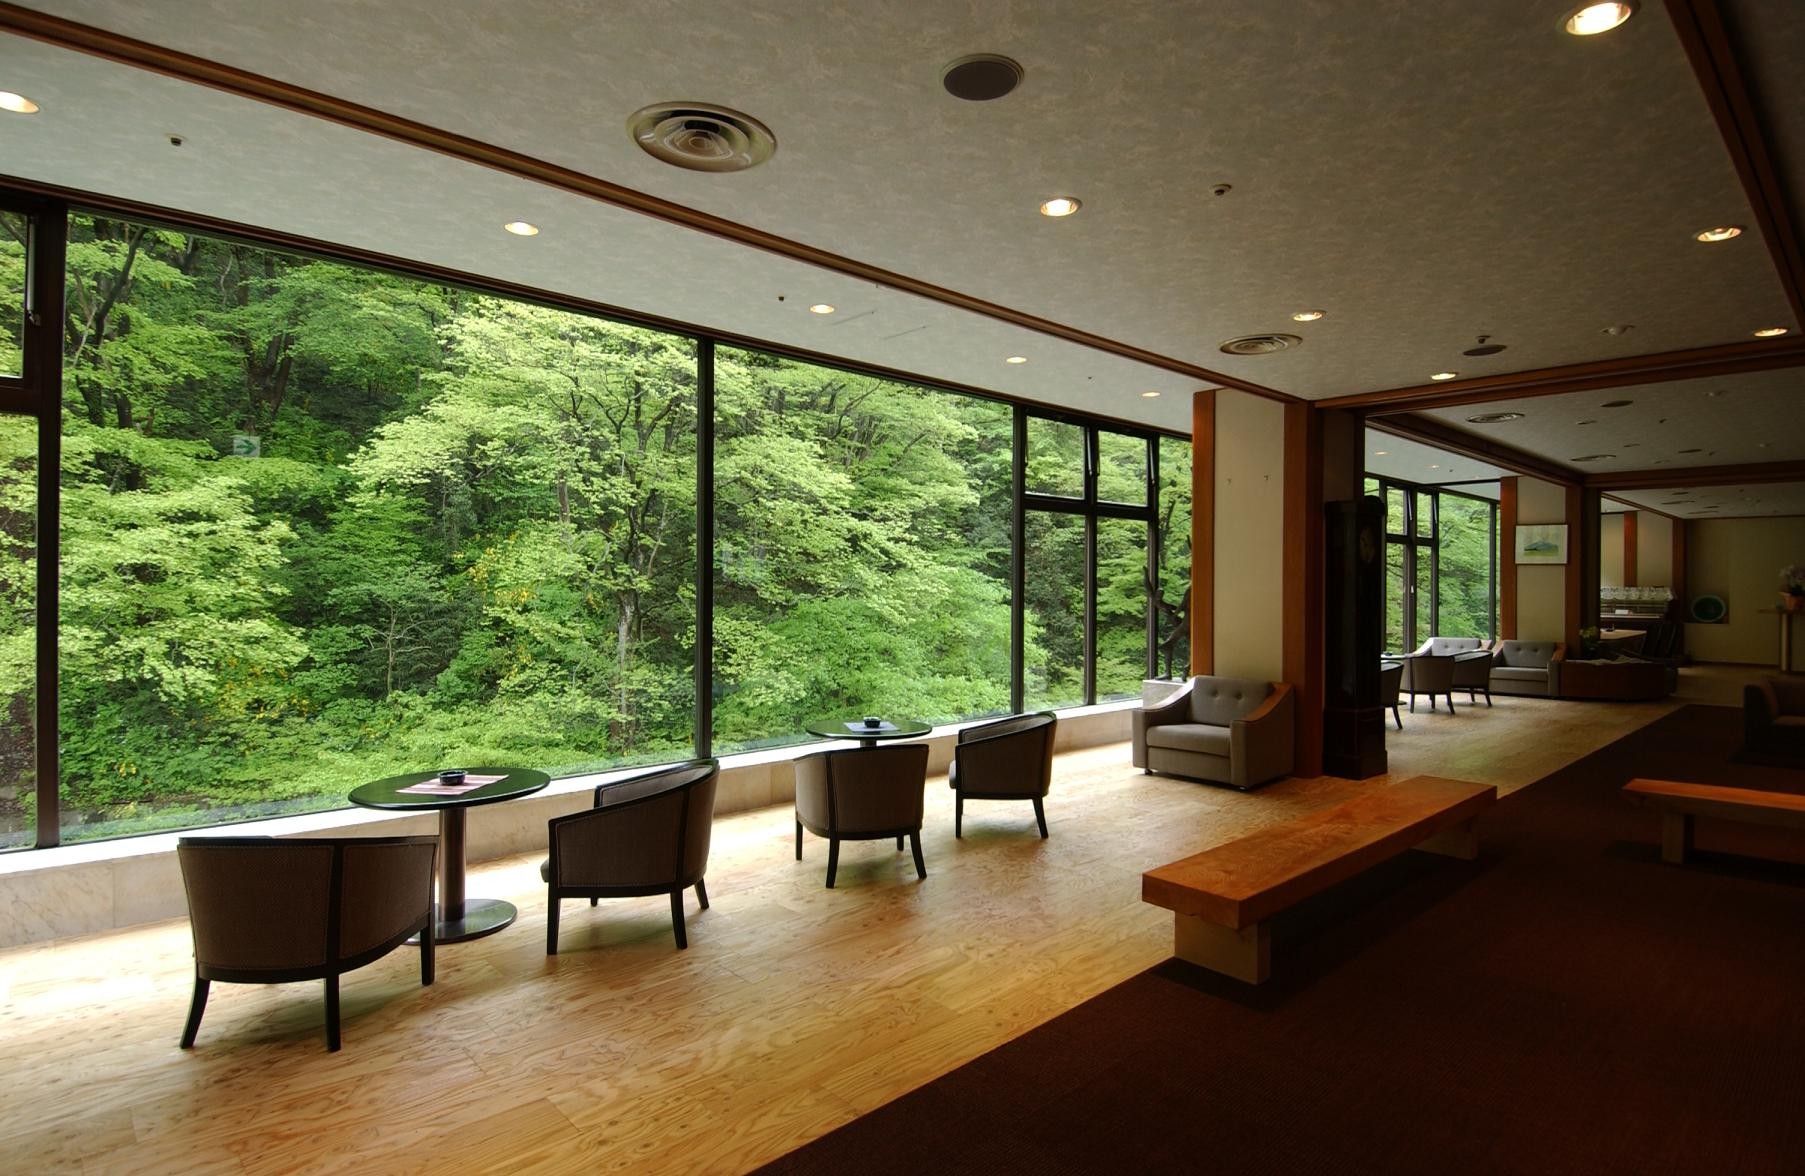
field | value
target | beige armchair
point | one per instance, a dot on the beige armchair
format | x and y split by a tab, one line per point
1472	664
862	794
270	910
644	835
1528	667
1009	759
1234	731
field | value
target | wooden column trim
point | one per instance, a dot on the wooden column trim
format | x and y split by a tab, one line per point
1576	557
1303	587
1507	559
1629	549
1682	597
1203	531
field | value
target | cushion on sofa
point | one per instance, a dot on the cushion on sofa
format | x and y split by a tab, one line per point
1520	673
1198	738
1220	701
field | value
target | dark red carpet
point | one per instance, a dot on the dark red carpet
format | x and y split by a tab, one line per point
1565	1004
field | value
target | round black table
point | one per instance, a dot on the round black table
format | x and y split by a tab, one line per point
459	918
867	736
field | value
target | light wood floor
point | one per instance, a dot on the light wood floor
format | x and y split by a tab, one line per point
794	1010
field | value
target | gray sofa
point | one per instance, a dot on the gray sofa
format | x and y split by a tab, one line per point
1234	731
1528	667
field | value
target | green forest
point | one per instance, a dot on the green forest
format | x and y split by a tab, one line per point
322	524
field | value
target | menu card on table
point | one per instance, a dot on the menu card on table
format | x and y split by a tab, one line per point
437	787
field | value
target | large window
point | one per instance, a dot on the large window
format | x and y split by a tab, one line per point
862	550
1440	564
317	523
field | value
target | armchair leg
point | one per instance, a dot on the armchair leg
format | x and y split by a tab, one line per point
551	922
1397	718
899	843
677	918
1450	701
921	867
798	840
332	1041
195	1008
701	894
428	950
1413	703
1040	817
958	814
833	860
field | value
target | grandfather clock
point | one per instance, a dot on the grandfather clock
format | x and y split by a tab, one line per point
1353	631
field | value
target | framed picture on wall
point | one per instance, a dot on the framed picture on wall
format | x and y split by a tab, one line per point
1542	543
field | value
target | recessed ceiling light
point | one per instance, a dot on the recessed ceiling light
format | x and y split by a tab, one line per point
1599	18
821	308
1149	395
17	103
1770	332
1617	404
1720	233
1594	457
1381	453
1060	206
1495	418
522	228
1435	467
1016	359
1306	316
1445	376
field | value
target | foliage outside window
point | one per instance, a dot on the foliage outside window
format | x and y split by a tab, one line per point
1440	556
13	231
1172	601
1053	611
18	630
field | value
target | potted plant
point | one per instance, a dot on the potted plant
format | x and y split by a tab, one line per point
1792	588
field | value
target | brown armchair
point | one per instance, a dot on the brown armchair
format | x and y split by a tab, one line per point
645	835
1009	759
862	794
268	910
1431	674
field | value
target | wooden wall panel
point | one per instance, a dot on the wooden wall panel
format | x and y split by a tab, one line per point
1303	580
1203	531
1507	559
1630	523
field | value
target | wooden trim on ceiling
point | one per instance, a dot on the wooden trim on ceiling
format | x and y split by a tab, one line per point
1203	531
1507	559
67	34
1710	47
1629	548
1303	582
1430	431
1755	473
1748	355
205	225
1638	507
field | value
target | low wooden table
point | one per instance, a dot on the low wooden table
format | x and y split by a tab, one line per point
1222	898
1679	802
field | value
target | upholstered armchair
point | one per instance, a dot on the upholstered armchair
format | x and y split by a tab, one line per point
269	910
1009	759
1234	731
1528	667
1447	646
1391	678
1472	663
1431	674
1773	712
862	794
645	835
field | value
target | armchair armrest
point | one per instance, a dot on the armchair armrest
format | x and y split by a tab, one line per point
1422	649
1262	745
1554	670
1175	709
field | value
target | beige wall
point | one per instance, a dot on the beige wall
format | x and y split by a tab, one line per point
1610	551
1542	588
1250	524
1740	560
1654	549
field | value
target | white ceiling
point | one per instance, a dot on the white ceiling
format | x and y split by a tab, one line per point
1755	501
1406	460
1425	174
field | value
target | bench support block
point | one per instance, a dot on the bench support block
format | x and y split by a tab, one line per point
1676	837
1456	841
1245	954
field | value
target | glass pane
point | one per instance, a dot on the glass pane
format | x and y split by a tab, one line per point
1122	469
1121	608
1394	511
1425	515
1055	458
18	630
323	525
12	293
862	532
1053	611
1465	571
1396	640
1423	598
1372	486
1173	608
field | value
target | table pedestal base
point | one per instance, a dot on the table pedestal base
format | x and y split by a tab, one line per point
482	916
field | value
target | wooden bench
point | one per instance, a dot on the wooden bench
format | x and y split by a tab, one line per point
1221	899
1680	802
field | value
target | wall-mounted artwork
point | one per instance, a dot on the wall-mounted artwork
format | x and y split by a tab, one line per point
1542	543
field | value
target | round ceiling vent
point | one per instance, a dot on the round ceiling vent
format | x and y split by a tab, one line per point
701	137
981	77
1259	344
1484	349
1495	418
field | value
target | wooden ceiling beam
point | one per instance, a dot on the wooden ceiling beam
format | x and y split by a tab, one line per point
1445	436
1752	474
